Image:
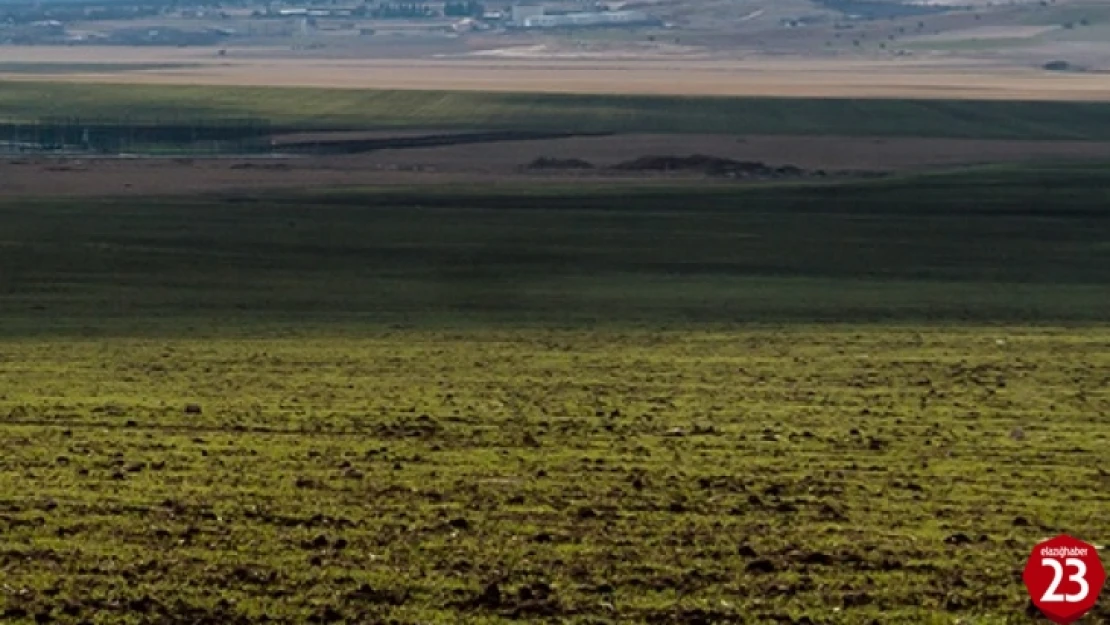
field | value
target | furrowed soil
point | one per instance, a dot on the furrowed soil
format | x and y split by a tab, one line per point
835	403
797	475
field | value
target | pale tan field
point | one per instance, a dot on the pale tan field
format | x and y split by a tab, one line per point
501	162
759	76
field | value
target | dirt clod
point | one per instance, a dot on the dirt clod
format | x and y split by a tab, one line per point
856	599
817	558
326	615
489	598
710	166
958	539
763	565
320	542
546	162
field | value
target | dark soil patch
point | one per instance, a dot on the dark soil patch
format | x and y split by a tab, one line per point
263	166
357	146
711	166
545	162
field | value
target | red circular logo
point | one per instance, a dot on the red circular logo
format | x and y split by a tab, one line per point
1064	576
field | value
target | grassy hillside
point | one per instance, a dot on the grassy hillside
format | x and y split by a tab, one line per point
1028	246
397	109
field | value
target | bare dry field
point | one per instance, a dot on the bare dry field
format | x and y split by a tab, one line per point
757	76
501	162
989	32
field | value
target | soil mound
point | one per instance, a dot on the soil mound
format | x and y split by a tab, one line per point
545	162
711	166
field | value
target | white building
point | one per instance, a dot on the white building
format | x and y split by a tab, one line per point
521	13
610	18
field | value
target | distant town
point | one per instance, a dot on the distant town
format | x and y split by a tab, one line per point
1062	36
205	25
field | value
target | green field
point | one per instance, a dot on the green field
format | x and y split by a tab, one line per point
837	403
999	244
309	108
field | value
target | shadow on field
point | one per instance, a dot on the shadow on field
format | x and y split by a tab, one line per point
494	277
993	245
